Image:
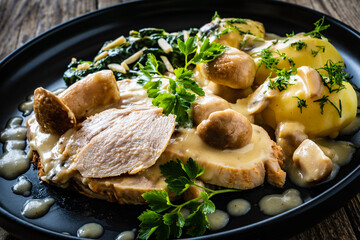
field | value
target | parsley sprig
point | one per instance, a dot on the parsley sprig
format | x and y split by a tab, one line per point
326	99
268	59
319	26
164	218
298	45
301	103
335	77
315	52
178	96
282	80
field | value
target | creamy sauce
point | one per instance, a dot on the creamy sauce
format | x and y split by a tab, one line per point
188	144
126	235
278	203
57	167
90	230
14	160
22	187
218	220
27	107
36	208
238	207
340	152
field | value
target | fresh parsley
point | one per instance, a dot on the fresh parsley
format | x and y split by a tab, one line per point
335	77
164	219
298	45
177	97
301	103
268	59
326	99
315	52
281	82
319	26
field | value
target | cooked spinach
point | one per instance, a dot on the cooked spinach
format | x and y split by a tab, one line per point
137	40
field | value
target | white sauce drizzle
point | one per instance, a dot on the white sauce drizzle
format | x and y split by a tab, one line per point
126	235
238	207
22	187
14	160
90	230
218	220
36	208
27	107
277	203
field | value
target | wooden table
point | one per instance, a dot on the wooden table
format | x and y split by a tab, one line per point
22	20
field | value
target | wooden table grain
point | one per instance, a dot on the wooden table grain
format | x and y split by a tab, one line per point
22	20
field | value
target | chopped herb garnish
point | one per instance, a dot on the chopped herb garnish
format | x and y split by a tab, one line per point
177	97
281	82
291	62
335	76
236	20
216	16
275	41
290	35
320	49
299	45
316	33
165	218
326	99
268	60
301	103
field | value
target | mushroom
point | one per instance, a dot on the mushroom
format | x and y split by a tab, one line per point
260	99
206	105
311	161
51	113
312	81
289	135
227	93
234	68
226	129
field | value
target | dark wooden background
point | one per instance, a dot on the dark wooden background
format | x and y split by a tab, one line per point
22	20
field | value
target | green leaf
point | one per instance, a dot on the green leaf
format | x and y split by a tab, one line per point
178	185
176	222
188	47
173	169
163	232
316	33
216	15
158	201
208	52
192	169
165	101
197	223
150	221
207	206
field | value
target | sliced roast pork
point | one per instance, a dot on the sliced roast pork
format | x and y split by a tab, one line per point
119	141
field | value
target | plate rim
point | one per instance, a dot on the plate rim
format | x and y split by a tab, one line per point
323	197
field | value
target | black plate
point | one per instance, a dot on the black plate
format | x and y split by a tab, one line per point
42	61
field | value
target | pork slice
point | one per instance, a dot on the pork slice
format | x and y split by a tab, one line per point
116	141
242	168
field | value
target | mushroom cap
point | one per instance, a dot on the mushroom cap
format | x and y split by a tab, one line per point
234	68
225	129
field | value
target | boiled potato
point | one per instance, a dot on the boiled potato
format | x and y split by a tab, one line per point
284	107
301	57
237	30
